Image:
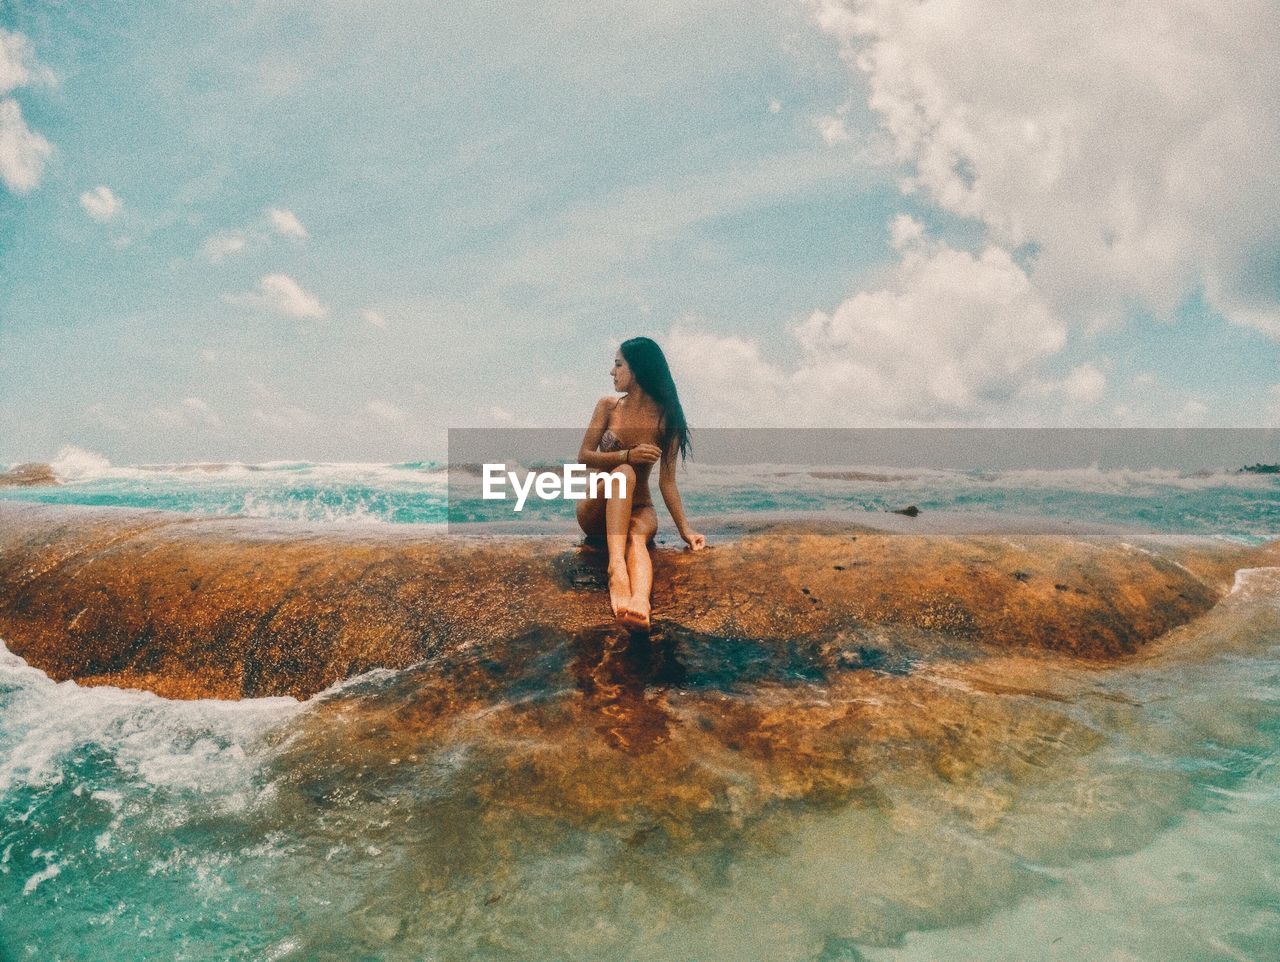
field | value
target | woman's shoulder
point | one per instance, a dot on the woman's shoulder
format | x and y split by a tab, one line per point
604	409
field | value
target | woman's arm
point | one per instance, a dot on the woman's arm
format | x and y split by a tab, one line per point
671	496
587	453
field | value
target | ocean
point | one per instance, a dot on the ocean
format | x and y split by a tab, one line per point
1022	805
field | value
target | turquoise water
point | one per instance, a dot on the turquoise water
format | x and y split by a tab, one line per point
1128	813
1225	503
414	493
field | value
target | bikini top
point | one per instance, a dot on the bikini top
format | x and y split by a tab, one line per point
609	442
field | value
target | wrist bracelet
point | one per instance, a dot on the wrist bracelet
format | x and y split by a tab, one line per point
626	456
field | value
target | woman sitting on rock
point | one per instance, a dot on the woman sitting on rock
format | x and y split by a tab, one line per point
627	436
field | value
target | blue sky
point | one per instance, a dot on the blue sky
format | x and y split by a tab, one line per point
324	231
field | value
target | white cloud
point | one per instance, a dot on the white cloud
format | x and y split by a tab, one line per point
198	411
558	382
585	244
385	410
282	417
286	222
227	243
192	412
279	77
101	203
1193	413
951	336
833	130
189	413
100	415
1273	406
775	106
223	245
184	415
281	294
504	417
1085	384
22	150
373	317
1133	143
1265	317
730	381
18	64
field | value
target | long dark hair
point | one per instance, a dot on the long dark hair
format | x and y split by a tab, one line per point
649	365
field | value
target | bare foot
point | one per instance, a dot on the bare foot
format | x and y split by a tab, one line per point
635	614
619	589
641	607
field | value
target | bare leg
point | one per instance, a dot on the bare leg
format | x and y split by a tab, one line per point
591	518
644	522
598	519
619	588
617	525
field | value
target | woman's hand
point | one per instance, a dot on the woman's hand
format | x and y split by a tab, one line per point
694	540
644	454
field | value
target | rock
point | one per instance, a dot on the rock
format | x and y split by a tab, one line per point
224	607
28	475
379	929
856	476
910	511
523	710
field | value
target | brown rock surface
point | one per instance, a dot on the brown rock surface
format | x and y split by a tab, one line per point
226	607
28	475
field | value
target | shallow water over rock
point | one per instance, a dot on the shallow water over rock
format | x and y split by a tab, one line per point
600	798
831	760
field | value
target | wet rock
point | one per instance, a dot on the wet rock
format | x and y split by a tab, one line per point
837	949
28	475
677	742
217	607
910	511
584	569
853	476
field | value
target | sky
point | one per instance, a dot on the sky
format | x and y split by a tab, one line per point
329	231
